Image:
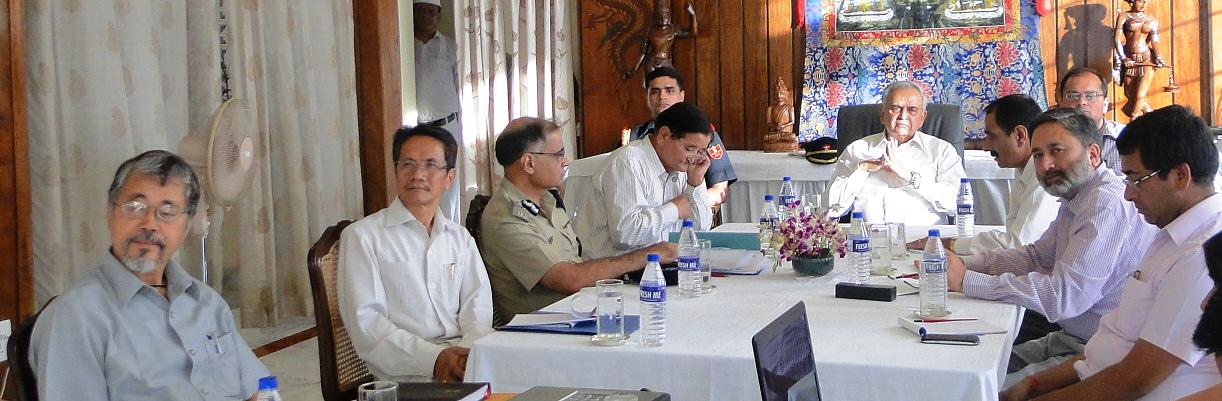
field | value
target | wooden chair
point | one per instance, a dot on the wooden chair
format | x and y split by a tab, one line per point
19	358
341	369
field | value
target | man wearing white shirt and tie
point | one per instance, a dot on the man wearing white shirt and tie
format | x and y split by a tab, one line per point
649	187
900	175
1007	132
1143	350
413	291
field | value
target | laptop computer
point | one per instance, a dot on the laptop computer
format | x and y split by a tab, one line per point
784	361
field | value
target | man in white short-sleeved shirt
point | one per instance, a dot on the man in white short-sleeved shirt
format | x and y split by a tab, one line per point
1143	349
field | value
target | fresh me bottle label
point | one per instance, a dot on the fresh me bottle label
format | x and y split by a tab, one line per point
689	263
653	293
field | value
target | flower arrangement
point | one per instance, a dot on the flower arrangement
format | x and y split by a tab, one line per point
809	235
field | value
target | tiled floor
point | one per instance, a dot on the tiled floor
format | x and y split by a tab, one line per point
296	367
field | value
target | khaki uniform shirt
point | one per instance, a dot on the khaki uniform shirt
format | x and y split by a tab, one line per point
520	242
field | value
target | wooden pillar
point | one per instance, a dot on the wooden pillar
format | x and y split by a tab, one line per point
378	99
16	275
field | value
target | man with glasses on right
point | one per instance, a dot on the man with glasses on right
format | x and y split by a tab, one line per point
1084	89
1143	349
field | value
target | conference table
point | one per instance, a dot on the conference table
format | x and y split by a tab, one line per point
760	173
861	352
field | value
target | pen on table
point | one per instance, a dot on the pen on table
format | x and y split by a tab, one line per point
943	320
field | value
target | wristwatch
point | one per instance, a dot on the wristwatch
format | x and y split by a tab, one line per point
914	182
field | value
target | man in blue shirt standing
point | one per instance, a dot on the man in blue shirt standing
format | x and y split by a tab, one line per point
663	88
140	327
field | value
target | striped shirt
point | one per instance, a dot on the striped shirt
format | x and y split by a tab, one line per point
1075	272
631	205
1107	145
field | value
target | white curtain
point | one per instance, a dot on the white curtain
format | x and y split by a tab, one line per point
294	65
514	60
107	80
110	79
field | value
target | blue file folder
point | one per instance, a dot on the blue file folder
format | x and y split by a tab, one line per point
631	324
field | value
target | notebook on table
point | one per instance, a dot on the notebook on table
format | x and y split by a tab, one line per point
547	393
444	391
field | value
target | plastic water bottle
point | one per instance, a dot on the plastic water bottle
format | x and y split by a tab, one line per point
268	389
789	197
965	213
690	280
933	276
860	247
653	302
768	222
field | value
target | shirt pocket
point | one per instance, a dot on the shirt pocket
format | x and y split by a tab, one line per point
399	285
224	364
1135	304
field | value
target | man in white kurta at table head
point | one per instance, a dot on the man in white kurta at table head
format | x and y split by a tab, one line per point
1143	350
413	291
900	174
437	86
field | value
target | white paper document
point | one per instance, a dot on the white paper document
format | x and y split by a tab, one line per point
536	319
737	261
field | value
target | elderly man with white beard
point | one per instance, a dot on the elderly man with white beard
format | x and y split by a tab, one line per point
1074	273
140	327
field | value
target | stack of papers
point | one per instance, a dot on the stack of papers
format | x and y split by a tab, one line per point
950	326
737	261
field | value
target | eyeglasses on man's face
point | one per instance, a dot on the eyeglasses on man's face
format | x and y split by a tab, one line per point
167	213
1136	183
1089	96
557	154
429	166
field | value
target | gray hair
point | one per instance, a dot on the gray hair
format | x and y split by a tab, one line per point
1073	120
163	165
897	85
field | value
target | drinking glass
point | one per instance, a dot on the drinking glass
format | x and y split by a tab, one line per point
811	203
706	266
610	312
378	391
880	250
899	242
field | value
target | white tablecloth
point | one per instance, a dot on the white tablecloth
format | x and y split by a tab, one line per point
760	173
860	351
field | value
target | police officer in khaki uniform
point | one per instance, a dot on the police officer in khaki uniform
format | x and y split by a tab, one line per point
529	247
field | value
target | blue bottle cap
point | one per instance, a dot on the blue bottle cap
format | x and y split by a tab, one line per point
964	180
858	215
688	224
768	198
653	257
787	178
933	232
267	383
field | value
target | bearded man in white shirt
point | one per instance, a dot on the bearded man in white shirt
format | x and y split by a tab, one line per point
1007	129
413	291
900	175
647	188
1143	349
